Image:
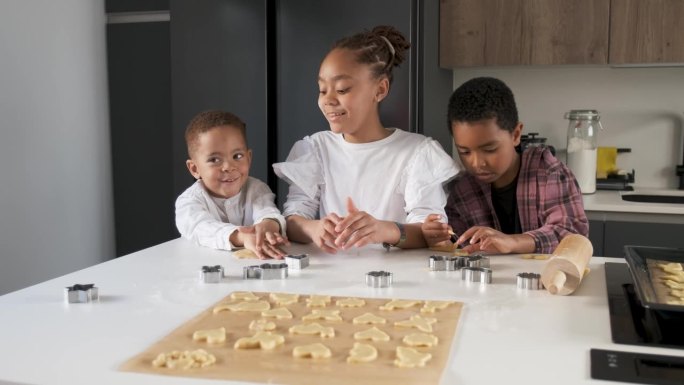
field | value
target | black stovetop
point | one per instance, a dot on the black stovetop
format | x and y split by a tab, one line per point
631	323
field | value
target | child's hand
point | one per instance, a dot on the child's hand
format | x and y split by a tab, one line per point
266	250
359	228
268	238
435	232
324	233
480	238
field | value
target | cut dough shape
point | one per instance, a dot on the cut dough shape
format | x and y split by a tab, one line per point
446	247
187	359
539	257
679	294
673	284
399	304
260	340
278	313
411	358
323	314
313	328
418	322
368	319
350	302
244	296
433	306
212	336
244	254
460	253
374	334
317	350
362	353
679	277
243	306
318	301
283	299
420	340
672	268
261	325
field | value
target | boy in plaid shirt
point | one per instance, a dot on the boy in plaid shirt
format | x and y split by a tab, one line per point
506	201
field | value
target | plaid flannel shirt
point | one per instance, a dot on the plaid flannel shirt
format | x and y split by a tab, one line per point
549	201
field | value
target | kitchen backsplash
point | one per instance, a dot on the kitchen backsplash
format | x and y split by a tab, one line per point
641	109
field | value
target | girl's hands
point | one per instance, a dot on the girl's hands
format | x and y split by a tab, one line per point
435	232
324	234
359	228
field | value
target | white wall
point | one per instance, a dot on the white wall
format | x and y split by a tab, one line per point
641	108
55	194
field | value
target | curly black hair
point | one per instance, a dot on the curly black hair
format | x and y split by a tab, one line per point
483	98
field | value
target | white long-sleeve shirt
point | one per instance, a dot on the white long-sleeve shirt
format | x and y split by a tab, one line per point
399	178
209	221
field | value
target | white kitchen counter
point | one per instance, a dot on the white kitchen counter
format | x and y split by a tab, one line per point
611	201
504	336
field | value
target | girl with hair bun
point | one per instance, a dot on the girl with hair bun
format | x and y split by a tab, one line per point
361	182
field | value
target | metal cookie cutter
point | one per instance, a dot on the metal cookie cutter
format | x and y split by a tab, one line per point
477	261
297	262
476	274
265	271
441	263
80	293
529	281
379	279
211	274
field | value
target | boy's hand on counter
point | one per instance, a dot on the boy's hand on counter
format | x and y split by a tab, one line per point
248	237
268	238
435	232
481	238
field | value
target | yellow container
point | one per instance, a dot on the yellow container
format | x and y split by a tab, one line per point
606	162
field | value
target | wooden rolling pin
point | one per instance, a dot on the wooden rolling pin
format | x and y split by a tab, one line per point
564	271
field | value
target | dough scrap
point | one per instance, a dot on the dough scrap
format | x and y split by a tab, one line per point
399	304
212	336
261	325
313	328
278	313
317	350
362	353
418	322
318	301
243	306
374	334
411	358
368	318
420	340
350	302
446	247
260	340
433	306
284	299
539	257
187	359
244	254
244	296
323	314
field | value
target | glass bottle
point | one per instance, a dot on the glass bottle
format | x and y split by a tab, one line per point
582	144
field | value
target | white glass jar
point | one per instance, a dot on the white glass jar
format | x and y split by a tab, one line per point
582	144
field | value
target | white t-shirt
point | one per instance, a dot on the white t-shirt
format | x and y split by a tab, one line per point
399	178
209	221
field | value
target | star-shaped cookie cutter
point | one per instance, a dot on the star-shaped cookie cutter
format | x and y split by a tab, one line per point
81	293
379	279
297	262
211	274
265	271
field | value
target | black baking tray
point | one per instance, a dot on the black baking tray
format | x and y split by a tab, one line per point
637	258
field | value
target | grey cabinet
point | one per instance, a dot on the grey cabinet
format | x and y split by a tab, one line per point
610	235
596	231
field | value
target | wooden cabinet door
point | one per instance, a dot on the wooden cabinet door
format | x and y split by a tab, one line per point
523	32
646	31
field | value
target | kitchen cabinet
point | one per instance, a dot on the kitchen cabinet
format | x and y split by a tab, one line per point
523	32
609	237
646	31
596	231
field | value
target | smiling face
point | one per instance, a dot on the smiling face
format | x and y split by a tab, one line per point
221	159
349	96
488	151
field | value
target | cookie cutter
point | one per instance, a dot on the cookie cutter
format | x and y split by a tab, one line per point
476	261
441	263
81	293
297	262
477	274
529	281
211	274
379	279
265	271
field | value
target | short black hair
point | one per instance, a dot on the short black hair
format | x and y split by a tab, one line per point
483	98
